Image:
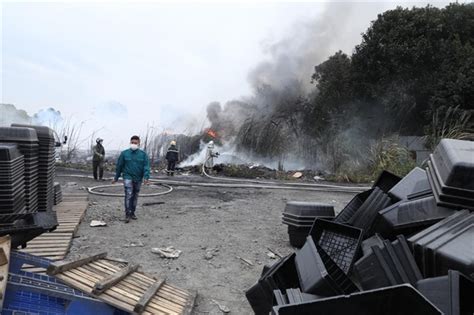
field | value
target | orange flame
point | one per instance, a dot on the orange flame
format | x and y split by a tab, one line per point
211	133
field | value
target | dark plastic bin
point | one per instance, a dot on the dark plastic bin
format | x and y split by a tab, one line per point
408	217
386	181
390	265
9	152
352	207
341	242
319	274
395	300
291	296
367	244
452	294
455	202
408	184
309	209
367	213
444	231
443	188
18	134
456	162
281	275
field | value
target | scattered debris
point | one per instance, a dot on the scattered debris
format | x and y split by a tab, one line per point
318	178
275	252
248	262
297	175
152	203
223	308
135	244
167	252
96	223
271	255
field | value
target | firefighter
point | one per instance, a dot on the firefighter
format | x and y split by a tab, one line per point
172	156
98	152
210	155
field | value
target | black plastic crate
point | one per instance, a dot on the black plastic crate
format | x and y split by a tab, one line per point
291	296
308	209
445	189
395	300
282	275
352	207
9	152
341	242
456	165
367	213
455	202
422	239
390	265
319	274
367	244
452	293
386	181
18	134
408	217
408	184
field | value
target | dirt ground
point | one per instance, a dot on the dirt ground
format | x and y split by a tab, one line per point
212	227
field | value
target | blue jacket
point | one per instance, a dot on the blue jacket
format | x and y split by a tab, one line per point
133	165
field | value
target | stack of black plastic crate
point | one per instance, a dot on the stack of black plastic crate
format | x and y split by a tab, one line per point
12	184
406	246
27	142
46	166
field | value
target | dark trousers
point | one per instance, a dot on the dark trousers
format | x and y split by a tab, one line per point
171	167
132	189
98	166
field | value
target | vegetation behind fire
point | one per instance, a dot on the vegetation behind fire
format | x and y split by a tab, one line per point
412	74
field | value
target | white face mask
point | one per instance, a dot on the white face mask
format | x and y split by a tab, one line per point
133	146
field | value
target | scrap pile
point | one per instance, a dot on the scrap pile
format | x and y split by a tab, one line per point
406	246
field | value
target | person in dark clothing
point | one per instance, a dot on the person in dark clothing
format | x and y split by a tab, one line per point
172	156
98	152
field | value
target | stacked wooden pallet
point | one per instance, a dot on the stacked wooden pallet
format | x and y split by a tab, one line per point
120	284
55	245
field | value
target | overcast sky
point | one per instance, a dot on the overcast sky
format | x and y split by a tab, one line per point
148	63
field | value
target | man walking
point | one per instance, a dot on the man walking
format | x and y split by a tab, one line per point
133	165
98	152
172	156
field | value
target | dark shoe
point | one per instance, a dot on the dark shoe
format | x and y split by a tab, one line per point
127	219
134	217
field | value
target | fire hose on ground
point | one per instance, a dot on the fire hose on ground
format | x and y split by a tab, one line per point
236	183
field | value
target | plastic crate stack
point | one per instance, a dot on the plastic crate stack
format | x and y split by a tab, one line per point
46	166
406	246
58	195
12	180
450	173
299	216
27	142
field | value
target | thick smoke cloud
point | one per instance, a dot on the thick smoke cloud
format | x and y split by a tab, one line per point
266	122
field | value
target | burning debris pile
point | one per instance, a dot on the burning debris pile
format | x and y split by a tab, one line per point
406	246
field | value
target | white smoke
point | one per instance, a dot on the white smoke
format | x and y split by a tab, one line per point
228	154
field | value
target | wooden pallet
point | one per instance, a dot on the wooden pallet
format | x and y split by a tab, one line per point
55	245
5	244
120	284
